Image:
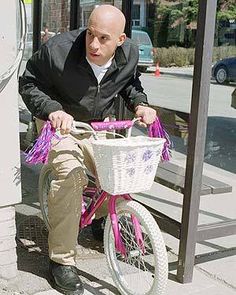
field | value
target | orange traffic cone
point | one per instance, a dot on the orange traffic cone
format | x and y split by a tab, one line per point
157	71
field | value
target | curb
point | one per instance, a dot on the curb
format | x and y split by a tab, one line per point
176	72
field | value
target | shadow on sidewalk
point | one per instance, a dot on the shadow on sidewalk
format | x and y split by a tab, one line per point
32	251
32	247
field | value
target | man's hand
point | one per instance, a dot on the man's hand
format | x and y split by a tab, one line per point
62	121
147	114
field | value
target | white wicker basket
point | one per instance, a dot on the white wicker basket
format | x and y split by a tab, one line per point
127	165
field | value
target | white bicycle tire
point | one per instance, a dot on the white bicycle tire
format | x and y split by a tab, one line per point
159	251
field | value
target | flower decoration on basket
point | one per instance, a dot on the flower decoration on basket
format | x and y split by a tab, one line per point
130	158
130	171
147	155
148	169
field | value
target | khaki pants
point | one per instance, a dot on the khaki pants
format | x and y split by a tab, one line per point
69	158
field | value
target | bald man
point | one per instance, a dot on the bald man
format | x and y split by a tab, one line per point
77	77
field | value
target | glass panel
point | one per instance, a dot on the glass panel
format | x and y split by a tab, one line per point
220	148
18	25
29	37
221	130
86	6
172	28
55	18
136	12
28	50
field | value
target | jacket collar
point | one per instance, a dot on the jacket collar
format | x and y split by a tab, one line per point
118	61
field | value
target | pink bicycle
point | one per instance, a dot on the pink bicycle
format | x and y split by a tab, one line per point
134	247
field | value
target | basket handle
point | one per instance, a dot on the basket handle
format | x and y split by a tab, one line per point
112	125
115	125
81	128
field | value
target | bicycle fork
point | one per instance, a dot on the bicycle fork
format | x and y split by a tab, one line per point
115	225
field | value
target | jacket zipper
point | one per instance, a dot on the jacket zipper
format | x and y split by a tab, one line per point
96	100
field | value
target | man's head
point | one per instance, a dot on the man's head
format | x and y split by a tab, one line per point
105	32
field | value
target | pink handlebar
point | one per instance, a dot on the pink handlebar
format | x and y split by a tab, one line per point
112	125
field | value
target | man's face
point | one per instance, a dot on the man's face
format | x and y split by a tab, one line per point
101	43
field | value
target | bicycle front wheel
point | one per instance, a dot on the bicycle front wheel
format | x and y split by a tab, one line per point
141	271
45	179
47	175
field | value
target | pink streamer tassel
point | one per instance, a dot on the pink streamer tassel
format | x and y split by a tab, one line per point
40	150
157	130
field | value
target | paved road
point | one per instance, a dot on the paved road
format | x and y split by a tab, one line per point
174	92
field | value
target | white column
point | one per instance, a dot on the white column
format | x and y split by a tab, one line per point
10	189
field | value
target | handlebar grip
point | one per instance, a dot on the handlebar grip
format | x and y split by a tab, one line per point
112	125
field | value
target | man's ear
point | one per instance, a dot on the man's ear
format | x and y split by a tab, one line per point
121	39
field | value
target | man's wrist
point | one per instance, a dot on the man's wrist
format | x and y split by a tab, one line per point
143	104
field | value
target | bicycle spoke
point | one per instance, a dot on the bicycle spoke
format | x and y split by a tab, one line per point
135	258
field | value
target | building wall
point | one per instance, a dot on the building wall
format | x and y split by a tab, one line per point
10	188
88	5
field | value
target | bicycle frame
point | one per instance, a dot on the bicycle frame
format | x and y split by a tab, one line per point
86	218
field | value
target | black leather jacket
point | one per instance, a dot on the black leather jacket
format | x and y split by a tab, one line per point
58	77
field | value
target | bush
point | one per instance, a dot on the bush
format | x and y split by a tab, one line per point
223	51
179	56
